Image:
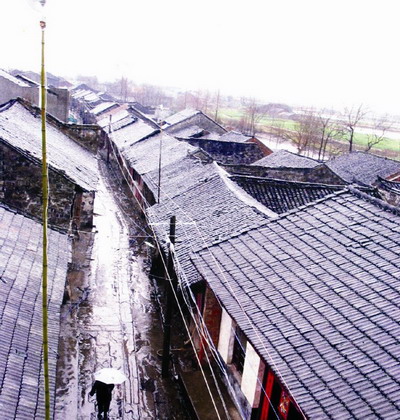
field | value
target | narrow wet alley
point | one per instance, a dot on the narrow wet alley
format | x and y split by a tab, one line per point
111	320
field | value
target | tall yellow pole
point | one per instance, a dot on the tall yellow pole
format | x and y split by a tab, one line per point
45	197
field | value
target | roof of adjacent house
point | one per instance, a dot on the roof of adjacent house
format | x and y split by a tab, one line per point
103	107
317	293
179	176
363	168
21	373
21	129
144	155
211	136
187	132
208	209
114	116
235	137
393	186
13	79
81	93
281	196
130	131
181	116
285	159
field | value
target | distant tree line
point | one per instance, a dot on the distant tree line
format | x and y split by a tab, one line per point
322	132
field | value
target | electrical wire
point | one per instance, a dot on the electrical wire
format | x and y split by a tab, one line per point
217	355
200	235
250	322
165	267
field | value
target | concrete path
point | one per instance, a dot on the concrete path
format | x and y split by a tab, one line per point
110	321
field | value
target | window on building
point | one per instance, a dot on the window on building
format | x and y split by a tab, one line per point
239	349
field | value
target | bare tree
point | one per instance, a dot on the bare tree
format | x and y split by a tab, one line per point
124	88
205	101
305	133
217	98
329	130
353	117
252	115
380	128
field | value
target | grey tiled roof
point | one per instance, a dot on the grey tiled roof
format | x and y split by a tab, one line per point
207	211
235	137
363	168
144	155
21	397
116	115
285	159
192	131
181	175
281	196
22	131
180	116
103	107
211	136
317	292
126	135
85	95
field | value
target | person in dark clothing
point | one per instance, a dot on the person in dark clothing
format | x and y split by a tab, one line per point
103	396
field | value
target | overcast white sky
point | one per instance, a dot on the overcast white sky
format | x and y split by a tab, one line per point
311	52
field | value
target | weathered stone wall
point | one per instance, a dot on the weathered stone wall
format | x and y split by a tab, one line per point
21	188
91	137
229	152
320	174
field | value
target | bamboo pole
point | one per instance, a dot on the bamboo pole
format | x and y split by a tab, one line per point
45	197
170	285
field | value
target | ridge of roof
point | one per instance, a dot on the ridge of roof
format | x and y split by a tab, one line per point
143	116
243	195
286	182
374	200
360	152
346	189
280	154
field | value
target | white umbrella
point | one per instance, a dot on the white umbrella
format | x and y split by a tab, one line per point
110	376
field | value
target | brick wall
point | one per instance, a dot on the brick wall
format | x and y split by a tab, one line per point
212	313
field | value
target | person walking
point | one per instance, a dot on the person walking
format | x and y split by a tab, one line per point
103	396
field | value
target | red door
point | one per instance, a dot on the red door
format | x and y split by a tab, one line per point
266	392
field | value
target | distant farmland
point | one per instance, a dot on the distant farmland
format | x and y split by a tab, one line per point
390	144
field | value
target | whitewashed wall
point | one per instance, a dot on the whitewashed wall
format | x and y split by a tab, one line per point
250	373
225	340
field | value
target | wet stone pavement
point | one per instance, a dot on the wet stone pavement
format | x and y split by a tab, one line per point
111	318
